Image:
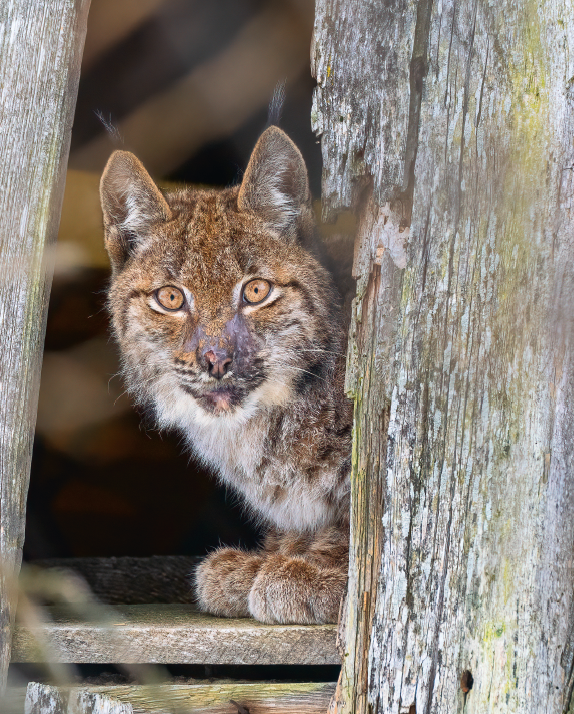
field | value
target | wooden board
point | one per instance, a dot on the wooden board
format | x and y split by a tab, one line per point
217	698
12	701
171	634
448	127
40	53
126	580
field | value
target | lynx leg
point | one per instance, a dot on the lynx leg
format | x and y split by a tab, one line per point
295	590
223	581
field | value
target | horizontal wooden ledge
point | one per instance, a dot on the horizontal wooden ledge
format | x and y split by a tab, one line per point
228	698
172	634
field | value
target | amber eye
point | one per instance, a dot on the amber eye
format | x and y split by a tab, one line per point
169	297
256	290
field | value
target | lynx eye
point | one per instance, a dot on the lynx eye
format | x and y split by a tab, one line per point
169	297
256	291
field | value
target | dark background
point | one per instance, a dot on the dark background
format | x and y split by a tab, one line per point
186	84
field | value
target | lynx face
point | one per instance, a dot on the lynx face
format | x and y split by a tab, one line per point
220	309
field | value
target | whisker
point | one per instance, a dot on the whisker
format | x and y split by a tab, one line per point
135	387
306	371
113	376
329	352
293	368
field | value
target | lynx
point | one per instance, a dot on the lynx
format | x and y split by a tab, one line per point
231	329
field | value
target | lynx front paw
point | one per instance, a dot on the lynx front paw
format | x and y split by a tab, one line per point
223	581
292	590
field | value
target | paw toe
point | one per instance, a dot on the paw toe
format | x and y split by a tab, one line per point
223	581
292	590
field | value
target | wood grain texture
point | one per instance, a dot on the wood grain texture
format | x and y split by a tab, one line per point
40	52
216	698
474	497
363	120
128	580
175	634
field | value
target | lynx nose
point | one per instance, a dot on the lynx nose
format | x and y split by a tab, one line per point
218	362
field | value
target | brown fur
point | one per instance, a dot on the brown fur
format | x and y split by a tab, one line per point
257	389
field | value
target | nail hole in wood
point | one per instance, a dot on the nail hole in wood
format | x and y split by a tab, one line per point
466	681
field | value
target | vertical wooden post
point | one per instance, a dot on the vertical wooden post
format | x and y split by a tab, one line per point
448	127
41	45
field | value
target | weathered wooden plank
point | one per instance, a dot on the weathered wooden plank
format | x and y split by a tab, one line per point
40	51
363	120
128	580
13	700
466	346
368	131
216	698
171	634
45	699
478	553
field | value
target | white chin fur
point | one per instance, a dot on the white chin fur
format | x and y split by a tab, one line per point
177	408
232	443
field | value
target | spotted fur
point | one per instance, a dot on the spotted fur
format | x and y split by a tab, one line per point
256	388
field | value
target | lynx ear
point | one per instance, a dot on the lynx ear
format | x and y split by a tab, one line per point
275	185
131	203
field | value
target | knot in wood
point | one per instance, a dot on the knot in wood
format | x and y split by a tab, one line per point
466	681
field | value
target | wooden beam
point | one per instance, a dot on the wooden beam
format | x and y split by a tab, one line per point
40	51
452	139
127	580
216	698
171	634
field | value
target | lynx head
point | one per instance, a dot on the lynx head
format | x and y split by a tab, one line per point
220	308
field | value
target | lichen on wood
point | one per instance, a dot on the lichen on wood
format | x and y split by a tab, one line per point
470	343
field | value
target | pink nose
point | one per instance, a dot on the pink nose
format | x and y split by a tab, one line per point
218	363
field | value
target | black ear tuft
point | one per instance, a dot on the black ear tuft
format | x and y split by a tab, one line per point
275	185
131	203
